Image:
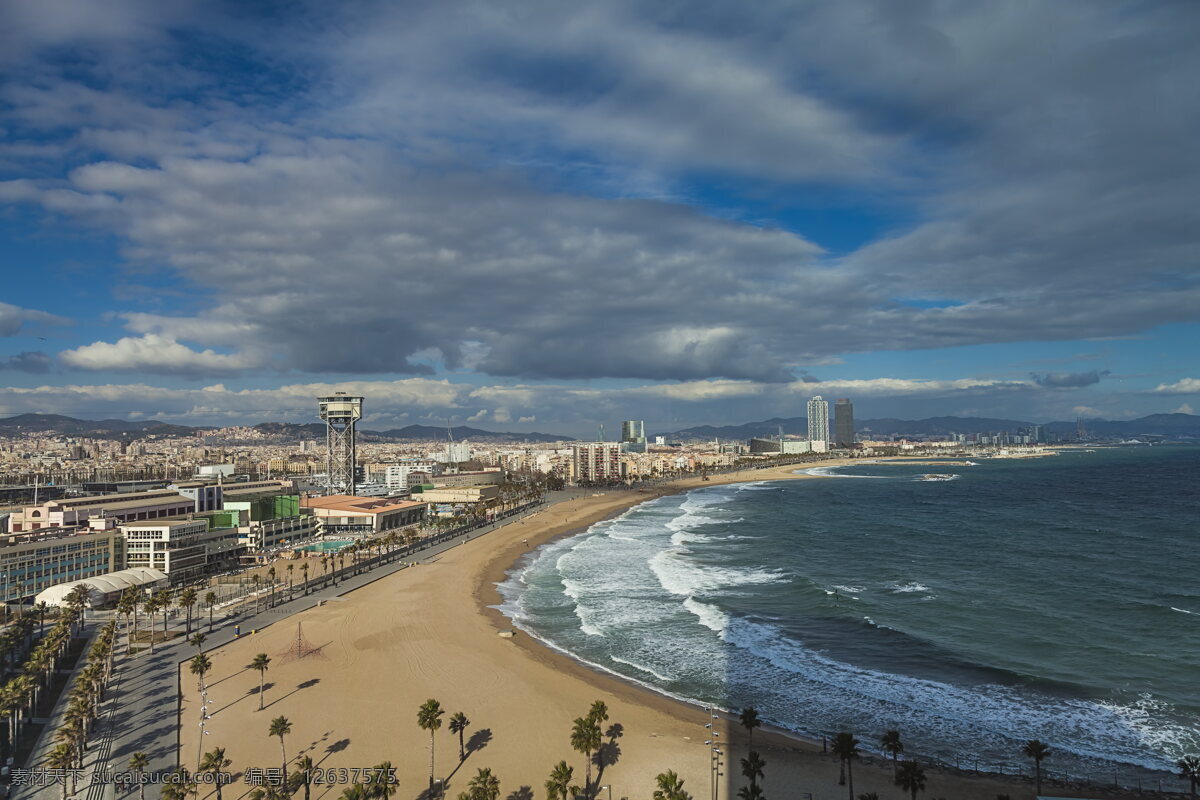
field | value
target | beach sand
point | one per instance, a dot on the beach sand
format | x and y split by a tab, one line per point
429	632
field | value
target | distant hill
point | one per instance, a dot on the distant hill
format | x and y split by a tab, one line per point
424	433
292	430
57	424
1172	425
95	429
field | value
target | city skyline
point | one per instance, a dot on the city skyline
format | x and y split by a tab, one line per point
211	215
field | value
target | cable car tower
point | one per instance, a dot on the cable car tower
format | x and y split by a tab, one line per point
341	413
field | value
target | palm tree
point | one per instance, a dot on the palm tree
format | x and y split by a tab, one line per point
586	739
381	784
178	788
429	718
458	724
210	600
304	571
62	757
670	787
845	747
752	768
255	580
199	666
126	607
215	762
197	641
559	786
750	721
1189	767
291	571
598	712
281	727
271	575
261	663
137	765
755	792
150	606
891	744
911	778
164	605
187	599
1037	751
303	776
484	786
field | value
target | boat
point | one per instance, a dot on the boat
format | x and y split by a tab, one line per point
934	476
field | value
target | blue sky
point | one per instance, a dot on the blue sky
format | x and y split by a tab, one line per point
543	216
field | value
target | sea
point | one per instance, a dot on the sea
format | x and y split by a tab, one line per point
971	607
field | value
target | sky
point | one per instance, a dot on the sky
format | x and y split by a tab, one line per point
547	216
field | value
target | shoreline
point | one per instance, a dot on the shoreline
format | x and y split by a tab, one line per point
487	595
776	737
430	632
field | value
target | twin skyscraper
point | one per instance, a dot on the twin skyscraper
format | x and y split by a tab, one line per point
818	422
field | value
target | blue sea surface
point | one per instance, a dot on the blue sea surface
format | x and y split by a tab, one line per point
1055	598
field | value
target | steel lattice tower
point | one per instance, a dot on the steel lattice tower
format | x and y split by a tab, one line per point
340	412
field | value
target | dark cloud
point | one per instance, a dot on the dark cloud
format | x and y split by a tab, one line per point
1068	380
34	361
469	193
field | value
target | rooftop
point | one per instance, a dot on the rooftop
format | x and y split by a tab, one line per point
365	505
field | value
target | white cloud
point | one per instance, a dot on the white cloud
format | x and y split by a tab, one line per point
1184	386
152	352
1184	408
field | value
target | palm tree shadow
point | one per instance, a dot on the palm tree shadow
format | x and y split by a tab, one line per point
336	747
523	793
609	752
479	740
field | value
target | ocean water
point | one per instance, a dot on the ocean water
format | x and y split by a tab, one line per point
1056	598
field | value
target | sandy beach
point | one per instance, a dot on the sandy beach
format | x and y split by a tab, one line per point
430	632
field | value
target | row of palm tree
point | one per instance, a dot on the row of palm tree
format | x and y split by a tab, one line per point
20	695
82	709
161	601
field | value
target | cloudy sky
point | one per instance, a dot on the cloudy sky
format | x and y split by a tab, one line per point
548	215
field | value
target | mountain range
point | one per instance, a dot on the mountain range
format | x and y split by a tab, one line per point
57	424
1170	425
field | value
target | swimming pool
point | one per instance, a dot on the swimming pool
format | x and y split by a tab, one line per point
331	546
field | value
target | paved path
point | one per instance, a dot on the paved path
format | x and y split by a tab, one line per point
141	710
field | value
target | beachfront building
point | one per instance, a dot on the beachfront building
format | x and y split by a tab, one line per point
104	591
477	478
267	522
818	420
457	495
125	507
596	462
32	562
843	423
350	515
184	548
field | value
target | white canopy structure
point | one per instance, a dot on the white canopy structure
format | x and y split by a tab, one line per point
104	589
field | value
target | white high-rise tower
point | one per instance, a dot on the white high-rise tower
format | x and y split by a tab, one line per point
818	420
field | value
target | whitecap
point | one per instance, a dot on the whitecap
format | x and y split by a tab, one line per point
640	667
709	615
